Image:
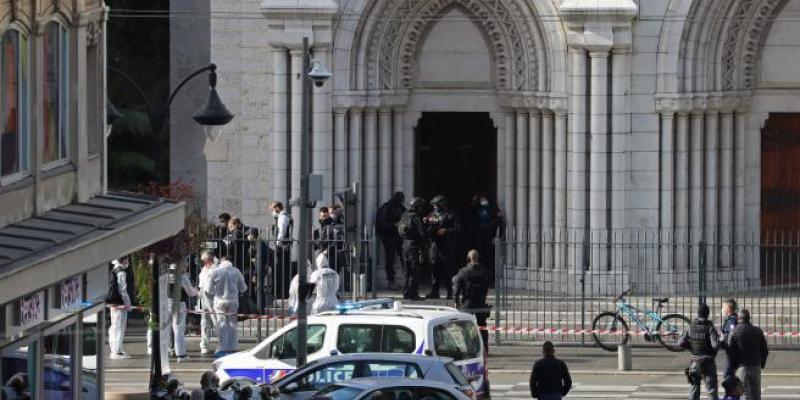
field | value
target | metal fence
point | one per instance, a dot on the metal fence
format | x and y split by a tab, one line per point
563	280
269	266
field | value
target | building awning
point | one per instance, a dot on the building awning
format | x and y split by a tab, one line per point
69	240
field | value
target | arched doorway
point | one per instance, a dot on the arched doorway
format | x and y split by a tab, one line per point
456	157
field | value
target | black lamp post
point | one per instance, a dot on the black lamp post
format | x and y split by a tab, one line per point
213	113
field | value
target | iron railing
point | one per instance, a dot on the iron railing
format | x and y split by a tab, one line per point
562	280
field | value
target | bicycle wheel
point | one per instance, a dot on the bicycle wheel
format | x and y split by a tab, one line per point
612	327
670	329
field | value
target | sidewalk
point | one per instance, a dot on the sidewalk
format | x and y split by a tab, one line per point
653	361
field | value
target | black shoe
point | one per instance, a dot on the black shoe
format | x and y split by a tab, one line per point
449	296
431	296
413	298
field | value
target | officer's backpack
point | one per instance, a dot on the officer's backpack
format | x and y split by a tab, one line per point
405	229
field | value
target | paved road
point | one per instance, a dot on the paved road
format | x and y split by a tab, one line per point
632	386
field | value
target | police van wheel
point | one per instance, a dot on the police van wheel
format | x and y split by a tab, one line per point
613	331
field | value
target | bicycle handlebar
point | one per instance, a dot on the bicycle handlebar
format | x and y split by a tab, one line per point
623	294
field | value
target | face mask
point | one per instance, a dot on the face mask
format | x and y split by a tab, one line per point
275	214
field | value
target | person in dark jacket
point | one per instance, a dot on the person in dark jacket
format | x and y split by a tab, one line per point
471	286
702	339
121	296
444	228
729	308
749	349
550	378
415	240
389	215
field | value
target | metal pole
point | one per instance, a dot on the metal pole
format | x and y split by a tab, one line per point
304	217
701	279
497	286
259	282
155	363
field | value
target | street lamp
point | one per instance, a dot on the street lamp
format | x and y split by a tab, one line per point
317	73
213	114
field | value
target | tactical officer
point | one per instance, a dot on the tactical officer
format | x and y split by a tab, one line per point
389	215
471	286
411	229
702	340
444	228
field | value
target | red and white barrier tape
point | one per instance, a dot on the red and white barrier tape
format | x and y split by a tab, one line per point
520	330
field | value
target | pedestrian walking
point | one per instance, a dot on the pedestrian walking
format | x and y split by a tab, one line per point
389	215
749	348
411	229
444	228
550	378
729	308
205	304
121	296
180	286
227	285
702	339
282	232
471	285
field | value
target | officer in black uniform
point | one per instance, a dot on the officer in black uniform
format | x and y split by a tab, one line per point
415	240
443	227
389	215
471	286
702	339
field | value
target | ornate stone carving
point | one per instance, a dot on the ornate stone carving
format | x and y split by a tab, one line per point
743	41
401	26
93	33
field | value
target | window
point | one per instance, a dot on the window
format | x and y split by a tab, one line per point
13	103
388	369
359	339
457	374
58	370
457	340
325	376
397	339
375	339
285	347
55	99
337	392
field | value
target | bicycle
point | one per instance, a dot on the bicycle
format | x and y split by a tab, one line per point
666	330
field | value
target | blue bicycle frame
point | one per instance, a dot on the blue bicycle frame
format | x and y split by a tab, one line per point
632	313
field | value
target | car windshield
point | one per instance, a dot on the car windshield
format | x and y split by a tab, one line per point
337	392
458	340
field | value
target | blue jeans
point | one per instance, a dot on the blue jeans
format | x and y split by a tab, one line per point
550	396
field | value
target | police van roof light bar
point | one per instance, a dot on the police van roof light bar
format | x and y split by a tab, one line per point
343	308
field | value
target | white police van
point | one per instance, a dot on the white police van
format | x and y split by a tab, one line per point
362	327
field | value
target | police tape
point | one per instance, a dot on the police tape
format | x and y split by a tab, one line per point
496	329
567	331
203	312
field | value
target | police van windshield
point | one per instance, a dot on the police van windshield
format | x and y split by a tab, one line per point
458	340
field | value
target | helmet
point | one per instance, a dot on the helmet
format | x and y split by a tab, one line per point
418	204
438	200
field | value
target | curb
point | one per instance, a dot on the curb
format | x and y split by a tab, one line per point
635	373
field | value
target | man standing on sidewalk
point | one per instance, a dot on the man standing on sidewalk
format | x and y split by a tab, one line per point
728	325
471	286
702	340
121	294
227	285
206	306
550	378
389	215
749	350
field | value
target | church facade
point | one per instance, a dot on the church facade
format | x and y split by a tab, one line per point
593	117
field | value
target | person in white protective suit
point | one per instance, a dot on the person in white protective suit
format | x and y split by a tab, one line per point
185	291
206	305
326	282
227	284
121	293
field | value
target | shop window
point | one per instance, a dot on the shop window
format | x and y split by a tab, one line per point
58	367
17	365
13	103
92	347
55	98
